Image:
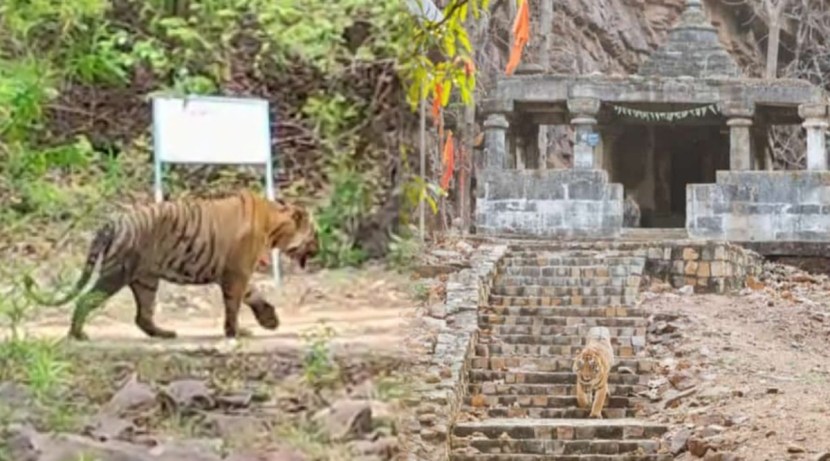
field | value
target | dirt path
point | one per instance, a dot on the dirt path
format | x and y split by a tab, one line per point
759	369
367	307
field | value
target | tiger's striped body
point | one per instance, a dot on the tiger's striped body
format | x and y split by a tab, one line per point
190	242
592	366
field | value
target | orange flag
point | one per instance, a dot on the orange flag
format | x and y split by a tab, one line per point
449	161
521	35
436	102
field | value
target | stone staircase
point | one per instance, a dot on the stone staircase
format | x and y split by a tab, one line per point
521	402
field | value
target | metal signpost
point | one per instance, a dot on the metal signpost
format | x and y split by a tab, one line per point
213	130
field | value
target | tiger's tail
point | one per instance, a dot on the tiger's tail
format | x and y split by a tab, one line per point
100	244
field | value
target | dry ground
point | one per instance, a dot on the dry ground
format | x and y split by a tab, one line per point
755	367
364	307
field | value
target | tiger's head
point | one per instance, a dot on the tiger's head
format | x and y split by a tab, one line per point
587	366
293	231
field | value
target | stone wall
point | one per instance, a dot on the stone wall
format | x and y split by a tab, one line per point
710	267
548	203
761	206
443	379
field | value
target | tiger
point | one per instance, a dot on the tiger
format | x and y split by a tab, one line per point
591	366
631	212
196	242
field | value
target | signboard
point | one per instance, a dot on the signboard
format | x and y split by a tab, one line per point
592	139
213	130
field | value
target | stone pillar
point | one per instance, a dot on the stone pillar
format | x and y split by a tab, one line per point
815	122
584	111
739	120
740	153
495	142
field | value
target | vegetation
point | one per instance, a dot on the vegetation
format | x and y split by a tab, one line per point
76	77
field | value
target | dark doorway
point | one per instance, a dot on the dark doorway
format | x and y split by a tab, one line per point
655	163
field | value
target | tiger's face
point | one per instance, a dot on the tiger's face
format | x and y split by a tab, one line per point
293	232
587	366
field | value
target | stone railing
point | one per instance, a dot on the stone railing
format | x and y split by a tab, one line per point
548	203
444	380
761	206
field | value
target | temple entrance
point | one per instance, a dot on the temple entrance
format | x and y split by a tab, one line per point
656	162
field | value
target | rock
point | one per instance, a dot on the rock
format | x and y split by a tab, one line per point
384	447
697	447
187	394
345	418
792	448
679	440
823	456
686	290
720	456
714	393
672	398
232	426
238	400
107	427
279	455
133	397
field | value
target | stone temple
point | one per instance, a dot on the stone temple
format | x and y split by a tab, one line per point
686	137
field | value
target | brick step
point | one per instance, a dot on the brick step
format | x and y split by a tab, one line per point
579	312
559	447
507	363
559	429
538	401
538	290
558	259
531	319
637	342
587	301
525	457
540	412
542	377
631	280
602	270
549	351
564	389
567	330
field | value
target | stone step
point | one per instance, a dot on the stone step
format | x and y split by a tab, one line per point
526	457
566	389
550	351
484	360
631	280
559	447
540	377
638	342
566	260
573	292
509	363
566	330
538	401
541	412
567	322
571	271
588	301
578	312
558	429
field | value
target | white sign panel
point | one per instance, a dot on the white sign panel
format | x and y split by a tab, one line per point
213	130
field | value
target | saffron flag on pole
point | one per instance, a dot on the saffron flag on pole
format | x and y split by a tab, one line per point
449	161
521	35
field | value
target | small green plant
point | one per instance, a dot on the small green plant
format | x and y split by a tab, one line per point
319	367
403	251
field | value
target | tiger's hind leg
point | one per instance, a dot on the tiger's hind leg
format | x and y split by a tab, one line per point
107	285
144	292
264	312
